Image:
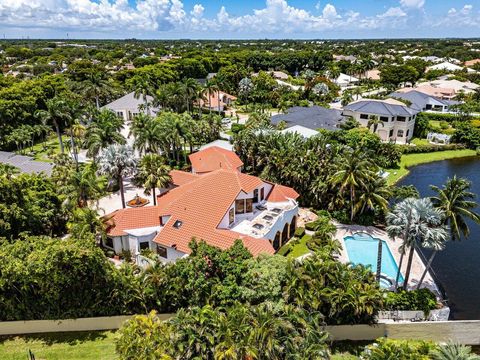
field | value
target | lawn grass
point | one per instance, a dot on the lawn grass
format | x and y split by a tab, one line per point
410	160
41	151
295	247
60	346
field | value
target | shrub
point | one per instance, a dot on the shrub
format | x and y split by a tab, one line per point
420	149
384	349
310	226
299	232
236	128
421	299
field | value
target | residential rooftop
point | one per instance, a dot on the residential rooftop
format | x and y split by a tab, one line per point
314	117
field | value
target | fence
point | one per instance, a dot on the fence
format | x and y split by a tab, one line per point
464	332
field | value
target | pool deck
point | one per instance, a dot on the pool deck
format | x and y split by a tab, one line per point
418	267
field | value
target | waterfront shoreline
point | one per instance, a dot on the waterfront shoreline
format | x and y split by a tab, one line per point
410	160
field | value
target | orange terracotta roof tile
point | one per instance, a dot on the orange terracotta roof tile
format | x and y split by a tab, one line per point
131	218
214	158
280	193
182	177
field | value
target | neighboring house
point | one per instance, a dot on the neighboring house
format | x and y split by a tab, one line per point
314	117
218	207
398	119
457	85
472	62
439	92
279	75
345	80
301	130
448	66
217	100
424	102
373	74
224	144
350	58
214	158
128	106
436	138
25	164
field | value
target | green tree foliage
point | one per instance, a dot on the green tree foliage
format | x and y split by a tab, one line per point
29	204
384	349
237	332
44	278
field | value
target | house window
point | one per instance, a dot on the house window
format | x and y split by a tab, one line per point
249	205
255	195
390	134
408	132
120	114
162	251
231	216
262	194
364	116
401	118
144	245
384	118
239	206
400	133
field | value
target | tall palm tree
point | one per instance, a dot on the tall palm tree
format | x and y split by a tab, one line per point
57	113
105	129
142	89
94	86
189	88
418	223
457	203
352	173
146	132
117	161
154	173
211	86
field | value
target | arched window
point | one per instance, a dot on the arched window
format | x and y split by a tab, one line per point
276	241
400	133
285	236
293	226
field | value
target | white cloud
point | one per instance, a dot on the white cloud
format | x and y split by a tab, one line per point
149	17
198	10
459	18
412	3
393	12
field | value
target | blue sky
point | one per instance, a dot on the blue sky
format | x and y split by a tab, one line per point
166	19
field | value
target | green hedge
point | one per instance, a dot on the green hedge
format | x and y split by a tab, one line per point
442	116
422	299
406	149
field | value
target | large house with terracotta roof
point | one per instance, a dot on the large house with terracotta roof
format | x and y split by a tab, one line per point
216	203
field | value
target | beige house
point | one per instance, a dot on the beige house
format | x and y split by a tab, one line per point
397	119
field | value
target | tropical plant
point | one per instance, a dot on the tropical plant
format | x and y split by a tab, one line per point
373	122
417	223
154	173
104	130
58	114
452	351
117	161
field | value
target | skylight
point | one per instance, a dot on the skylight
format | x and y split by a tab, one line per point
177	224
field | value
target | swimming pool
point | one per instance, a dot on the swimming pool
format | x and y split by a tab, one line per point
363	249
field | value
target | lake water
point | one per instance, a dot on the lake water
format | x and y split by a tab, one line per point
458	266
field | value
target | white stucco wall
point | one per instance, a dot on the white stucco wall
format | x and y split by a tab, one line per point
284	218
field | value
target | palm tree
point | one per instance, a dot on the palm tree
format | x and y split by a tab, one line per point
81	185
418	223
104	130
143	88
189	87
154	173
334	72
457	202
347	98
352	174
85	221
452	351
95	85
57	113
146	132
374	121
117	161
211	87
357	91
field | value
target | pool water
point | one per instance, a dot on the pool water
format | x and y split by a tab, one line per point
363	249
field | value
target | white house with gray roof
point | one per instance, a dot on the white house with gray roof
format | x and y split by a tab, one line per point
128	106
398	120
313	117
424	102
